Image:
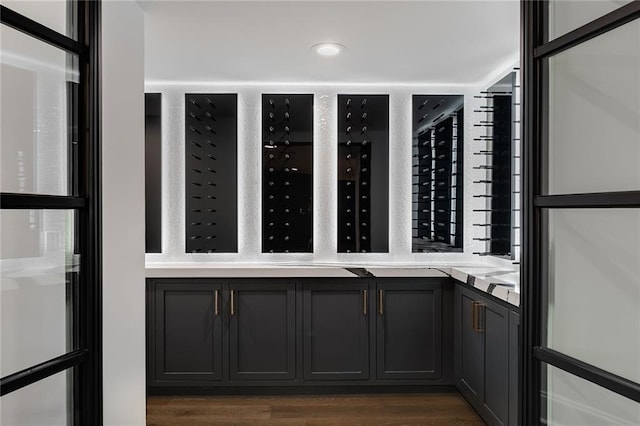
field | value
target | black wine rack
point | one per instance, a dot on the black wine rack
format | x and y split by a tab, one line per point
499	119
211	173
423	183
459	187
287	173
438	129
501	176
153	172
363	173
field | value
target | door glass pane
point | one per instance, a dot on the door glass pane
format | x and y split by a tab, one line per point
38	279
594	287
572	401
59	15
594	114
567	15
37	125
46	402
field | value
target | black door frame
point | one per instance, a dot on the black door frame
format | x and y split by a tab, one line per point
85	199
535	50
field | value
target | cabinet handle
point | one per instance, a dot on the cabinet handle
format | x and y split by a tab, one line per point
364	302
474	306
216	302
476	309
233	297
480	320
380	302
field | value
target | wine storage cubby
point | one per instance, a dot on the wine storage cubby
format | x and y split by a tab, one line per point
363	173
211	173
498	119
437	197
287	173
153	171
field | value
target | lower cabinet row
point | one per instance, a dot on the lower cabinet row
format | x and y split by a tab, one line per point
212	333
206	333
486	352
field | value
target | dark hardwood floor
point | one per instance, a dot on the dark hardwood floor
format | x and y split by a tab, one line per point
446	409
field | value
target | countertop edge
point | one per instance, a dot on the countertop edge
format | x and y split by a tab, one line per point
506	290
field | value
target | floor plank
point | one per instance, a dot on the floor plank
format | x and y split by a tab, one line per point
446	409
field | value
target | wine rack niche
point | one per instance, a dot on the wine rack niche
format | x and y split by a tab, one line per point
287	173
363	173
153	172
501	176
211	173
437	173
500	185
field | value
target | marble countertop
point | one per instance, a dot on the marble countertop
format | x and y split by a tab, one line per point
253	270
501	282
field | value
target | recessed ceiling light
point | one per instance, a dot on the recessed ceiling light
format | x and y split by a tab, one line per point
328	49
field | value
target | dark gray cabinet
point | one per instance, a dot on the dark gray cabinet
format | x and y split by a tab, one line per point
203	332
494	325
485	372
187	338
409	329
469	344
262	331
336	331
514	362
360	332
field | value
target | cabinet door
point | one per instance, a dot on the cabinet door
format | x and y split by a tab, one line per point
188	331
514	360
336	331
469	344
495	328
409	330
262	331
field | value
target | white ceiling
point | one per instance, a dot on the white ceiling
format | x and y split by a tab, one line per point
388	42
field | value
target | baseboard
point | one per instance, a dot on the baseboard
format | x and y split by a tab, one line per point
297	390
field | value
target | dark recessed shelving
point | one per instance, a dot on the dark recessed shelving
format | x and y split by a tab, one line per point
438	123
500	154
363	173
287	173
501	172
153	172
211	173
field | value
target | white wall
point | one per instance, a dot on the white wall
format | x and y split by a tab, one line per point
123	213
325	180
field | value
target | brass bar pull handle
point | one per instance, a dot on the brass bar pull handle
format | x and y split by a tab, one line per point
216	302
364	302
380	302
233	302
474	316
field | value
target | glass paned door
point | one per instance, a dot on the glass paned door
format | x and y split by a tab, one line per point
49	399
38	85
50	338
581	276
570	400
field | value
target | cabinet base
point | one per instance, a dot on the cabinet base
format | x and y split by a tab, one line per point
297	390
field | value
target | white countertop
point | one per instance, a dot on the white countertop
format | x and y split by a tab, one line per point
503	283
189	270
499	281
